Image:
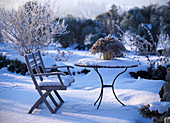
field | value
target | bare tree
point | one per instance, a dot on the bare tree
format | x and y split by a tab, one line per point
30	28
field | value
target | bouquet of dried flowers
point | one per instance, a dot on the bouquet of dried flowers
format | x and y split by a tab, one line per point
110	47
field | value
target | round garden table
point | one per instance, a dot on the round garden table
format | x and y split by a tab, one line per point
99	63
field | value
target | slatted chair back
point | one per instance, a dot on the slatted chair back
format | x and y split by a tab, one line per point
39	60
40	68
31	65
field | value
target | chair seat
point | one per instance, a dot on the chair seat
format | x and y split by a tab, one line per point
54	81
71	78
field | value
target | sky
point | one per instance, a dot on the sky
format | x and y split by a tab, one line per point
85	8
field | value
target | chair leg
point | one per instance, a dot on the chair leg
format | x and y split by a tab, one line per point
59	97
55	103
38	102
48	105
53	100
45	94
42	99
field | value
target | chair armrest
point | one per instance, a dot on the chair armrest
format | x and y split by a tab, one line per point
59	67
48	74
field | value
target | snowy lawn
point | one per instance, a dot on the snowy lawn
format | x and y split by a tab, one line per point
17	95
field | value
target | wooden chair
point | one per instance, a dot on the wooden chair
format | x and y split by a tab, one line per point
44	82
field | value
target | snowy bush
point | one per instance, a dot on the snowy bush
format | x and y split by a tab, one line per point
155	109
78	30
163	46
62	55
155	17
4	61
13	65
143	47
158	73
30	28
18	67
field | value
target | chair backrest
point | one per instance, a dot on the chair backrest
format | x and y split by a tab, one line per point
34	63
39	61
40	67
31	65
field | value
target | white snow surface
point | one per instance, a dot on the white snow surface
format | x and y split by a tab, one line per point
161	107
18	94
112	63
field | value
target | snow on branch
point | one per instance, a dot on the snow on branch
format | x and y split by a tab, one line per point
31	27
146	48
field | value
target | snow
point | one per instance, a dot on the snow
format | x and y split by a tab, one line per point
115	62
18	94
51	81
161	107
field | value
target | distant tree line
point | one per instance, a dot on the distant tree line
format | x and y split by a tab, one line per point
79	29
84	32
155	17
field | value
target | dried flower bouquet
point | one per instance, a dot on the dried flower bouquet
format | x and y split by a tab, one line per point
110	47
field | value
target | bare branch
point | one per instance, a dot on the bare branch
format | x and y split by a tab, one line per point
30	28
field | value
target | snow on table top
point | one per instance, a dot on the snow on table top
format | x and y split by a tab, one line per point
118	62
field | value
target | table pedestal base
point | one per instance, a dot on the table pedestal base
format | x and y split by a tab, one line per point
105	86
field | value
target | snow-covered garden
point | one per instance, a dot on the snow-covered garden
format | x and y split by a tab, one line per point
17	93
68	41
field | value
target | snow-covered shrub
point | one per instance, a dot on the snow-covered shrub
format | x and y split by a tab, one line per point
146	113
88	41
163	46
158	73
143	47
18	67
30	28
13	65
62	55
3	61
78	30
155	110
